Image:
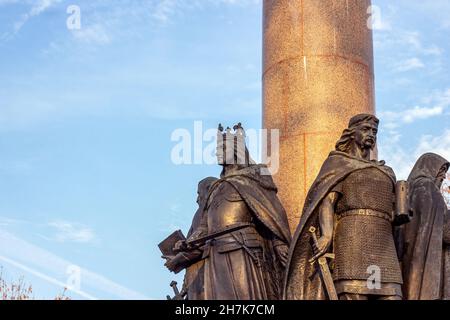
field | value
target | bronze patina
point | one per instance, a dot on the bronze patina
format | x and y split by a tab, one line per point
363	235
191	260
245	228
352	204
425	257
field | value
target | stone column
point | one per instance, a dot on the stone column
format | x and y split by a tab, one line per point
317	73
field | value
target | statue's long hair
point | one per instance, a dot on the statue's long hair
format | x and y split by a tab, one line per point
346	139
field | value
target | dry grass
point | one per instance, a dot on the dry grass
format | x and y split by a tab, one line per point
62	295
20	290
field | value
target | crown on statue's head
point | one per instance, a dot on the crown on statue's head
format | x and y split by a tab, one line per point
231	146
228	134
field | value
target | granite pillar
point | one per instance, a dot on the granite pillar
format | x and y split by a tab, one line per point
317	73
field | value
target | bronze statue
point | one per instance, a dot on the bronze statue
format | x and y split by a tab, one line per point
446	257
426	238
247	239
351	204
191	260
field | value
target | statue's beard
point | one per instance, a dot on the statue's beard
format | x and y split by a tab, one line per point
367	144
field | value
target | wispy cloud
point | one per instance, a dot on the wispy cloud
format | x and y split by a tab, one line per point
37	8
437	144
436	104
402	160
175	218
408	41
410	64
165	9
6	222
5	2
405	48
102	21
93	34
58	230
45	277
436	9
409	116
66	231
38	259
414	40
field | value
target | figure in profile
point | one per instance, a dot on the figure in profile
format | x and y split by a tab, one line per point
351	204
427	237
193	286
247	234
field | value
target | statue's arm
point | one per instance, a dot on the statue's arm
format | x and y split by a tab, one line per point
326	215
183	260
281	249
326	221
186	255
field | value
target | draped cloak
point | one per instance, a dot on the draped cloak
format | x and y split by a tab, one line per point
302	280
194	278
423	260
259	193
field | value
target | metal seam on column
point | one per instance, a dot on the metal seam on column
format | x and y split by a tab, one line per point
285	104
305	166
366	66
318	133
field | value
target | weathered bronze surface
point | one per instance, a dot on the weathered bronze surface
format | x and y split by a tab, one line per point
352	203
248	263
317	73
192	262
446	257
363	235
425	256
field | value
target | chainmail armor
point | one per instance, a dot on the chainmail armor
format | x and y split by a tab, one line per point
367	189
364	240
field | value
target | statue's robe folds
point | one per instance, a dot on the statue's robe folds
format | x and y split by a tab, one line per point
195	272
446	268
302	279
242	265
425	258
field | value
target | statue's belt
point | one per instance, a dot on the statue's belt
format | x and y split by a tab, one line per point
219	233
365	212
360	287
248	237
247	240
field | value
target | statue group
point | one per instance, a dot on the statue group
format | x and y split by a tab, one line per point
362	235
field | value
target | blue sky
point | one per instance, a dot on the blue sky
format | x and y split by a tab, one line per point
86	118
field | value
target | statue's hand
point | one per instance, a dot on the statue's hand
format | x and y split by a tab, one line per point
323	244
180	246
173	263
282	252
